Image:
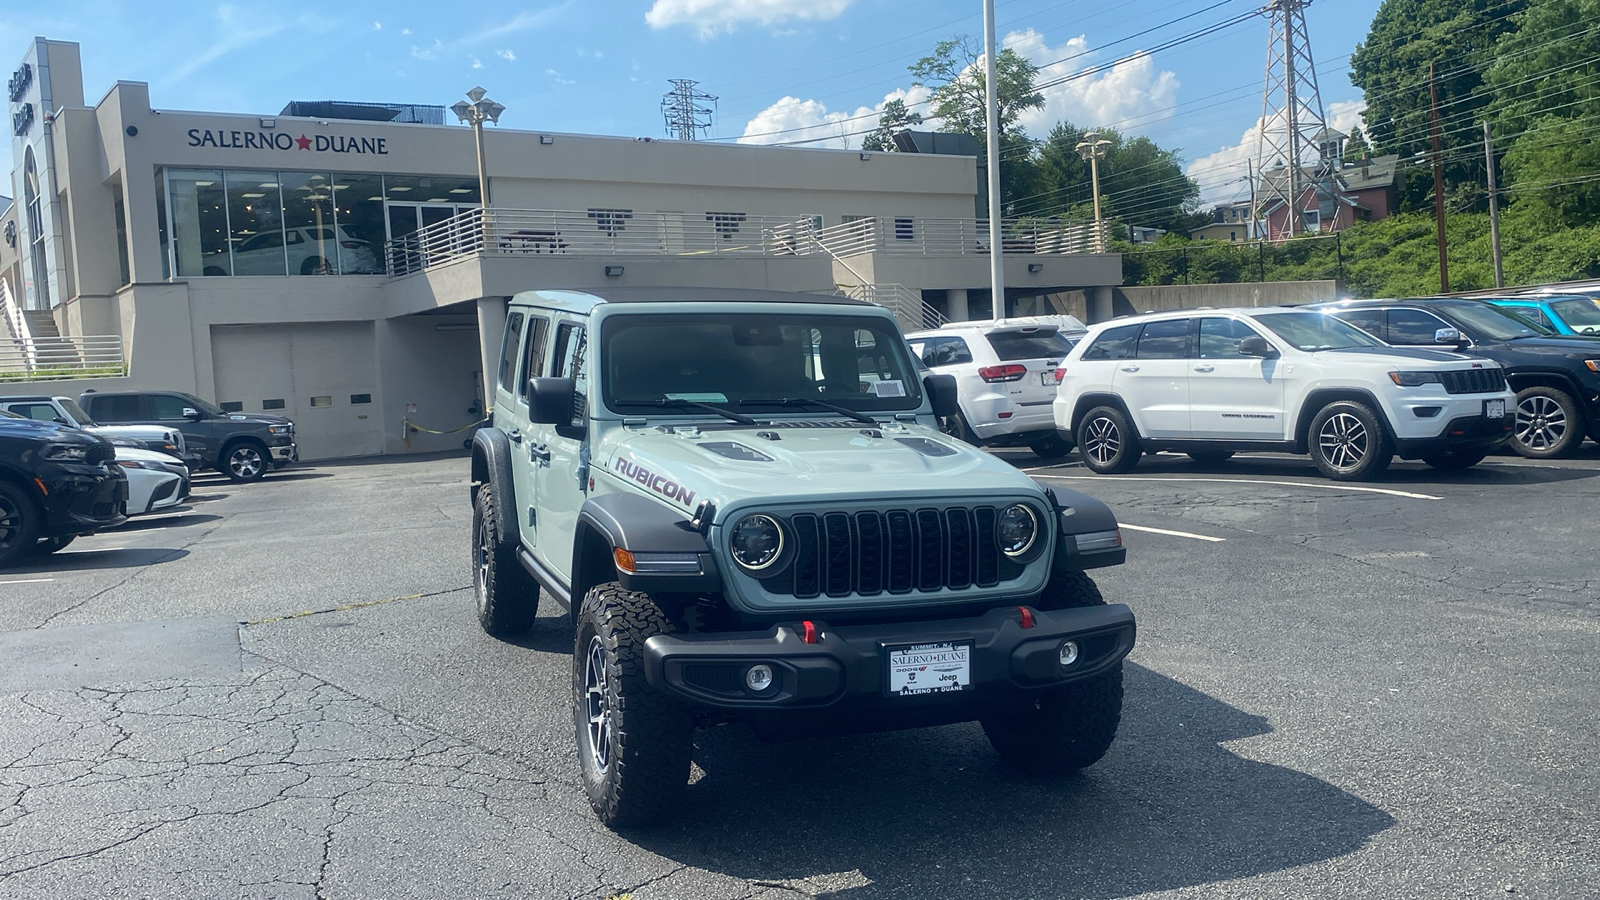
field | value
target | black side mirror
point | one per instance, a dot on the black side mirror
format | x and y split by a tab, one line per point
1256	345
550	401
942	394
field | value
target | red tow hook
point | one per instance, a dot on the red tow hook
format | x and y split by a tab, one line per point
808	632
1027	616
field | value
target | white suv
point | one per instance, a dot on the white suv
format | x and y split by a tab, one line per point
1005	377
1212	382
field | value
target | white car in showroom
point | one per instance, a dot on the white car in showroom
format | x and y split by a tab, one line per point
1005	377
1214	382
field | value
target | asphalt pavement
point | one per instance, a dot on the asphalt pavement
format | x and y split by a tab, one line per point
1374	690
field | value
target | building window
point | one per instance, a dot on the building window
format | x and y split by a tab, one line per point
1313	220
255	223
610	221
358	208
726	223
360	399
33	199
272	404
121	217
199	222
904	230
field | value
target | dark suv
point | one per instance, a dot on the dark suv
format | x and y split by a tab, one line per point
242	447
1557	379
55	484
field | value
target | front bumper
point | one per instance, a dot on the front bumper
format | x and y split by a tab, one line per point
84	499
285	454
1465	434
839	683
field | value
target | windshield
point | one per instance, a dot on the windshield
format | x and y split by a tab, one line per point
76	413
1491	322
209	409
1582	316
752	363
1315	331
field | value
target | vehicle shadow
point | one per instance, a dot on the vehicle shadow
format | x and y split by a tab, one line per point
145	523
1491	472
933	813
75	558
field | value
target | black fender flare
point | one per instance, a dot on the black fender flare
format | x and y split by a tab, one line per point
1079	514
638	525
491	471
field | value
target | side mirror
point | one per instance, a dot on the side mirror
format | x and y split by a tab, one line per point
1256	345
550	401
942	394
1450	336
192	414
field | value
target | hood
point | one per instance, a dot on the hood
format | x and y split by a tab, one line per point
733	465
45	431
260	418
1560	345
1420	354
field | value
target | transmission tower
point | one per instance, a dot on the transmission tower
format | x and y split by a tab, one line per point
687	111
1292	123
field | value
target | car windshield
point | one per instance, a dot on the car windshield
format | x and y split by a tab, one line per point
752	363
209	409
1581	315
76	412
1491	322
1316	331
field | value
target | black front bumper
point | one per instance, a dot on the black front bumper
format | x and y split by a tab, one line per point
1466	434
839	683
83	499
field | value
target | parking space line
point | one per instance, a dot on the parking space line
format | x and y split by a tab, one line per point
1310	484
1182	534
28	581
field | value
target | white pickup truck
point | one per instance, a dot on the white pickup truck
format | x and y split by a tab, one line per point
65	411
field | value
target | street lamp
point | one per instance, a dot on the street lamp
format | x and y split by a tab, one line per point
1093	149
481	109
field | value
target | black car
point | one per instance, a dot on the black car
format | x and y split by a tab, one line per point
1557	378
242	447
55	484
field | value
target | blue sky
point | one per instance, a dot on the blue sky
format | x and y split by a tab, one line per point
783	70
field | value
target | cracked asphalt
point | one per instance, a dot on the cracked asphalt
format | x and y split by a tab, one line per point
283	693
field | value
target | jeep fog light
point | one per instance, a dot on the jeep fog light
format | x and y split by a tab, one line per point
758	678
756	542
1016	529
1069	652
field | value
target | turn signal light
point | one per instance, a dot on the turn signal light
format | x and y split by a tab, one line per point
997	374
624	560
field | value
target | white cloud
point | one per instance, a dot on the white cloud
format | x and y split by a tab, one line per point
793	119
558	78
428	53
405	31
477	63
1224	175
506	55
377	26
1132	89
710	17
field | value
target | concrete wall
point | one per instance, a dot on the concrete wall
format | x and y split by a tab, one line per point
1128	301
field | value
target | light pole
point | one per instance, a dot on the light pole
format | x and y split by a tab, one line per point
475	113
1093	149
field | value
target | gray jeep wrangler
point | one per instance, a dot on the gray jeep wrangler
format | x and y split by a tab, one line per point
745	505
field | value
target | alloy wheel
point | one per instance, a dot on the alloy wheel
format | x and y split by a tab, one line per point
1103	440
481	557
596	688
1541	423
10	523
1344	441
245	462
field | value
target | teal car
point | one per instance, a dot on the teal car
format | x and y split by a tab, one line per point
1568	314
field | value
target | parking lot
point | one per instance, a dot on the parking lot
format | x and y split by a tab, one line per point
1383	689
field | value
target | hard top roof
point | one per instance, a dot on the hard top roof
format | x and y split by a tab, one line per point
694	295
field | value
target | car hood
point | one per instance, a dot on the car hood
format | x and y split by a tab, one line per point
732	465
40	430
1418	354
260	419
1574	345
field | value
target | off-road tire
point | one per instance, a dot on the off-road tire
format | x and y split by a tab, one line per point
20	521
1210	457
1348	442
1106	441
506	596
1455	460
1069	727
1053	446
638	777
244	461
1548	424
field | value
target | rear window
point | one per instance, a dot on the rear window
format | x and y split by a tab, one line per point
1013	345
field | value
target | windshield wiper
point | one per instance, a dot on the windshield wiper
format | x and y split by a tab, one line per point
802	401
680	403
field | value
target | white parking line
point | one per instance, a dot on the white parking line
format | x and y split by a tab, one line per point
1308	484
28	581
1182	534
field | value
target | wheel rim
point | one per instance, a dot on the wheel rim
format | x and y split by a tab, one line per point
481	566
597	705
1104	440
1344	441
245	462
10	523
1541	423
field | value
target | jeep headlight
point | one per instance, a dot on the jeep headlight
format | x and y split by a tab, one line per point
1017	529
66	452
1413	379
757	542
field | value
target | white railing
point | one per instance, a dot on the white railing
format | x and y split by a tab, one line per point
21	338
526	232
46	359
906	304
920	236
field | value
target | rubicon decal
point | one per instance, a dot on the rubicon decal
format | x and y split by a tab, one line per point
283	140
661	484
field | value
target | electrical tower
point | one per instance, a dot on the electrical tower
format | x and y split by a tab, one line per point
687	111
1292	127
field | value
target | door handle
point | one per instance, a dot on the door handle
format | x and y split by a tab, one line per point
1205	368
515	436
539	452
1130	368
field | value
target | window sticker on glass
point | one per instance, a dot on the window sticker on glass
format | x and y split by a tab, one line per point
889	388
707	397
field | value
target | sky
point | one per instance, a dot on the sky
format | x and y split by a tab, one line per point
813	71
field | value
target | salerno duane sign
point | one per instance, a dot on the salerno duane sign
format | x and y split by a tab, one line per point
283	140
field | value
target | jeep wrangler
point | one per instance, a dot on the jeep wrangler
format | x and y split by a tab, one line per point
744	504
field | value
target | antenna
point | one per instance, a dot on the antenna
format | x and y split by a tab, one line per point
1292	124
687	111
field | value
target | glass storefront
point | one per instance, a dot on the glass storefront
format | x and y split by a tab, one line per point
243	222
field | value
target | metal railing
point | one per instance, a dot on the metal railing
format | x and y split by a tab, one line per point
47	359
609	232
16	322
921	236
907	305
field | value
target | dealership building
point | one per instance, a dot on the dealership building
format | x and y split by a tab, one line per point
337	263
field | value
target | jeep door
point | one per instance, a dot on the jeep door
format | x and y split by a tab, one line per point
1155	382
1234	397
522	358
561	452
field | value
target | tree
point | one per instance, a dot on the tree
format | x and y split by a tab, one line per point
1355	146
1140	182
955	73
895	117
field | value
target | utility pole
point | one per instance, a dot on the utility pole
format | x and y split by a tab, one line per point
1292	119
687	110
1250	173
1494	209
1438	180
1093	148
991	116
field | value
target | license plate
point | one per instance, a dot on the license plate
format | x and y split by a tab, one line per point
1048	379
1494	409
929	668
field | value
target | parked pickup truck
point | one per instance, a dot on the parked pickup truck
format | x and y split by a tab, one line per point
242	447
65	411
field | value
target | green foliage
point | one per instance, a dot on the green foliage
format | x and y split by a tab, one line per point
895	117
1139	181
953	72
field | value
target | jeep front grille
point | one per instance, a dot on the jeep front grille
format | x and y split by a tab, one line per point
1473	381
898	551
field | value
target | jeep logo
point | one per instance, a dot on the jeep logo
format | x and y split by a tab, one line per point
661	484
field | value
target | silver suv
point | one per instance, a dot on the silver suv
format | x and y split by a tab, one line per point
743	503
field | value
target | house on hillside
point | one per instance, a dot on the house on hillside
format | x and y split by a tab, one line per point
1229	222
